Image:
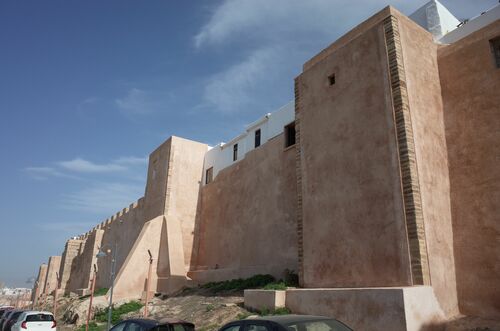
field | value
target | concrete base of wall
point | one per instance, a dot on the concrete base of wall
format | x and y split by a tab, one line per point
264	299
369	309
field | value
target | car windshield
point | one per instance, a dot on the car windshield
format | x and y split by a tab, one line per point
317	325
39	318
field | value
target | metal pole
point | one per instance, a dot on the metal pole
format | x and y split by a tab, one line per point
92	287
148	284
113	265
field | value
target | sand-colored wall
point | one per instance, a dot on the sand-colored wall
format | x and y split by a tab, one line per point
185	174
246	223
40	282
131	280
121	230
426	110
470	84
353	223
70	252
172	190
82	268
51	281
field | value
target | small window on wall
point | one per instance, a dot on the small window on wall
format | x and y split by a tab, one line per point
235	152
209	175
495	48
331	79
290	135
257	138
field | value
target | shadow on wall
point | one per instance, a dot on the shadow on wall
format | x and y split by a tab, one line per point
463	323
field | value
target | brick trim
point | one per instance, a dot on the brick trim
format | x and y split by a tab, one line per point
407	157
298	171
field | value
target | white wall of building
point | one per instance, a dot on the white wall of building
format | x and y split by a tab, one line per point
472	25
270	125
435	18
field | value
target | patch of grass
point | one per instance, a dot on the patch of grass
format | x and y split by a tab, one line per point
257	281
93	326
101	291
102	314
242	316
275	286
210	307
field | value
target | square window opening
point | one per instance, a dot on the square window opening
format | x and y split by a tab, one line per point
257	138
235	152
290	135
331	79
495	48
209	175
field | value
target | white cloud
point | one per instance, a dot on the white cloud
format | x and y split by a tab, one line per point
140	102
103	198
81	165
44	173
229	90
132	160
277	37
266	20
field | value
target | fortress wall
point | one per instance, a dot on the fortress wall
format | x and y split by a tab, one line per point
174	175
353	220
122	229
40	282
470	84
246	223
426	109
51	281
82	268
185	171
71	251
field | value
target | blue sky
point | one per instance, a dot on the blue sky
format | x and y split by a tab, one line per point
89	88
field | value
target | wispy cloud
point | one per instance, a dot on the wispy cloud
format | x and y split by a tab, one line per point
141	102
229	90
81	165
103	198
44	173
67	169
276	38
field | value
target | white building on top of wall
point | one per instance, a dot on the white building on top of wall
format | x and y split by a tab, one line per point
255	135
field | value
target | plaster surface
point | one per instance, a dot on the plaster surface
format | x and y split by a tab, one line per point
470	88
264	299
241	214
371	309
426	109
354	231
51	281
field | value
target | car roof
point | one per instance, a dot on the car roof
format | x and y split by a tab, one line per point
286	319
143	321
153	322
173	321
34	312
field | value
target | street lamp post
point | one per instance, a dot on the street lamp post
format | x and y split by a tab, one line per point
112	276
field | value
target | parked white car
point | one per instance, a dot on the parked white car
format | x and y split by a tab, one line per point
35	321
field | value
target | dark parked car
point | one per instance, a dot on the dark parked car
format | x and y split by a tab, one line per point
5	315
144	324
287	323
11	319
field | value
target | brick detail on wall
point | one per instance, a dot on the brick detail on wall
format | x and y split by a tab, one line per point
299	183
407	158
